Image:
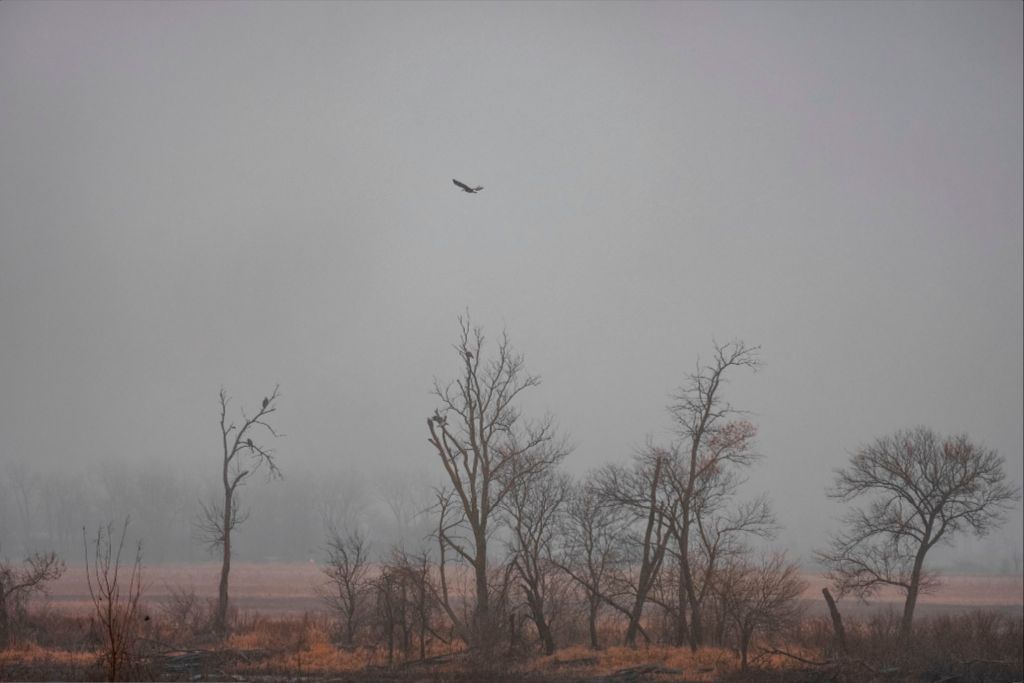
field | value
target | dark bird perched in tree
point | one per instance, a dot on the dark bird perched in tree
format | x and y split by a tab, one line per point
266	402
469	355
248	442
467	188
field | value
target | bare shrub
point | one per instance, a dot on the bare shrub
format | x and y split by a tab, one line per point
187	613
348	580
760	597
115	601
17	585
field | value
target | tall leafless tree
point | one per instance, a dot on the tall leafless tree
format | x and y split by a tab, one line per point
639	494
481	439
18	584
535	507
922	489
711	439
243	453
711	525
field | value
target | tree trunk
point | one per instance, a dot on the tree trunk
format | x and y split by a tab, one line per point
595	603
634	620
543	629
5	624
744	646
682	634
350	624
907	625
221	619
837	621
687	595
649	565
422	605
483	628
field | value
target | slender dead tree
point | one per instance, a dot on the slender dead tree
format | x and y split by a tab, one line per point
923	489
243	454
484	444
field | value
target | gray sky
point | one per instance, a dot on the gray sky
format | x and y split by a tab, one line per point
204	194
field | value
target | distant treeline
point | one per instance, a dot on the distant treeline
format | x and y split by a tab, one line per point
44	509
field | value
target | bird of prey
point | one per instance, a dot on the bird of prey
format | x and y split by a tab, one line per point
266	402
466	188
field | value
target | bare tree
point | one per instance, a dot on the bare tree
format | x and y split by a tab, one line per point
18	585
115	602
481	438
723	534
391	609
923	489
348	578
534	508
639	493
711	439
404	606
415	572
759	596
243	454
591	552
719	530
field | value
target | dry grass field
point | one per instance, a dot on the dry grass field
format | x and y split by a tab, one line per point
288	589
970	628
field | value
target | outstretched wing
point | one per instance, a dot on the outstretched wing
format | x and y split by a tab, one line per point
464	186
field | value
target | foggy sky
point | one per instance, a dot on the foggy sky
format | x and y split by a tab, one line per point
197	195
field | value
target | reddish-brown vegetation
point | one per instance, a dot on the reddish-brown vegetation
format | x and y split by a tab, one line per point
287	589
280	631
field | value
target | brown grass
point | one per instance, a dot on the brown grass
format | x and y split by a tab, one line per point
282	630
288	589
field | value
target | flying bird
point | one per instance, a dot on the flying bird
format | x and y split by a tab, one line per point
466	188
